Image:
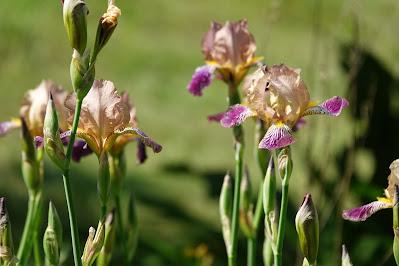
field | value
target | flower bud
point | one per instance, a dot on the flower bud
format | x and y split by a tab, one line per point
285	162
74	13
52	239
6	243
307	227
106	27
52	141
346	260
132	229
103	182
225	209
93	245
82	73
106	251
246	207
30	165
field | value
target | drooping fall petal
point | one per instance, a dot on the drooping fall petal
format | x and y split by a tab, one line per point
135	132
201	79
277	136
363	212
332	106
80	150
236	115
8	126
216	117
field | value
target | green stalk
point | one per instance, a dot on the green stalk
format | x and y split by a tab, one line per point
25	245
269	191
252	242
68	190
283	217
234	98
121	228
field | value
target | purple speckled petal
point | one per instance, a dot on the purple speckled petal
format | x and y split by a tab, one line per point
80	149
141	153
216	117
235	115
277	136
332	106
7	126
201	79
363	212
299	124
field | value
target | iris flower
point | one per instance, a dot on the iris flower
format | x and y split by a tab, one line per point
278	96
229	51
106	120
363	212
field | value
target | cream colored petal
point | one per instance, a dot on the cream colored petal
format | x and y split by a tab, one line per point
34	105
393	179
103	111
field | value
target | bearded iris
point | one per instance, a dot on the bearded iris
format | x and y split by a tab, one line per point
278	96
229	52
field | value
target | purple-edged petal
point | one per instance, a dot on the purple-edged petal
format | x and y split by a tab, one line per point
7	126
363	212
80	149
332	106
141	153
216	117
236	115
136	132
201	79
277	136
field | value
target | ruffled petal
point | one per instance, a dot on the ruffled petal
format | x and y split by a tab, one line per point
201	79
332	106
216	117
80	149
135	132
363	212
276	137
236	115
7	126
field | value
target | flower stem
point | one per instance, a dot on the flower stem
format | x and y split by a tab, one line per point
68	190
281	225
121	228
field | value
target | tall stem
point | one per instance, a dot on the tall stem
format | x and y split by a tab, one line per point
281	225
234	98
68	190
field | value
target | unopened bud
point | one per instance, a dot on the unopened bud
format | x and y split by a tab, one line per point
285	162
106	27
30	165
52	141
6	243
132	228
52	239
346	260
246	207
307	227
82	73
93	245
225	208
75	13
103	182
106	251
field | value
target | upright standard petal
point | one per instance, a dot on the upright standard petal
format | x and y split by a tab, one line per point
363	212
276	137
201	79
236	115
332	106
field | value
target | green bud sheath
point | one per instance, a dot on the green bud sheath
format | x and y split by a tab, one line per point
94	243
285	162
307	227
30	165
52	141
117	169
6	243
103	182
225	209
396	225
109	241
52	239
246	207
82	74
75	13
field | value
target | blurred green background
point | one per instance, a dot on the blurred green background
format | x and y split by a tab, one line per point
347	48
